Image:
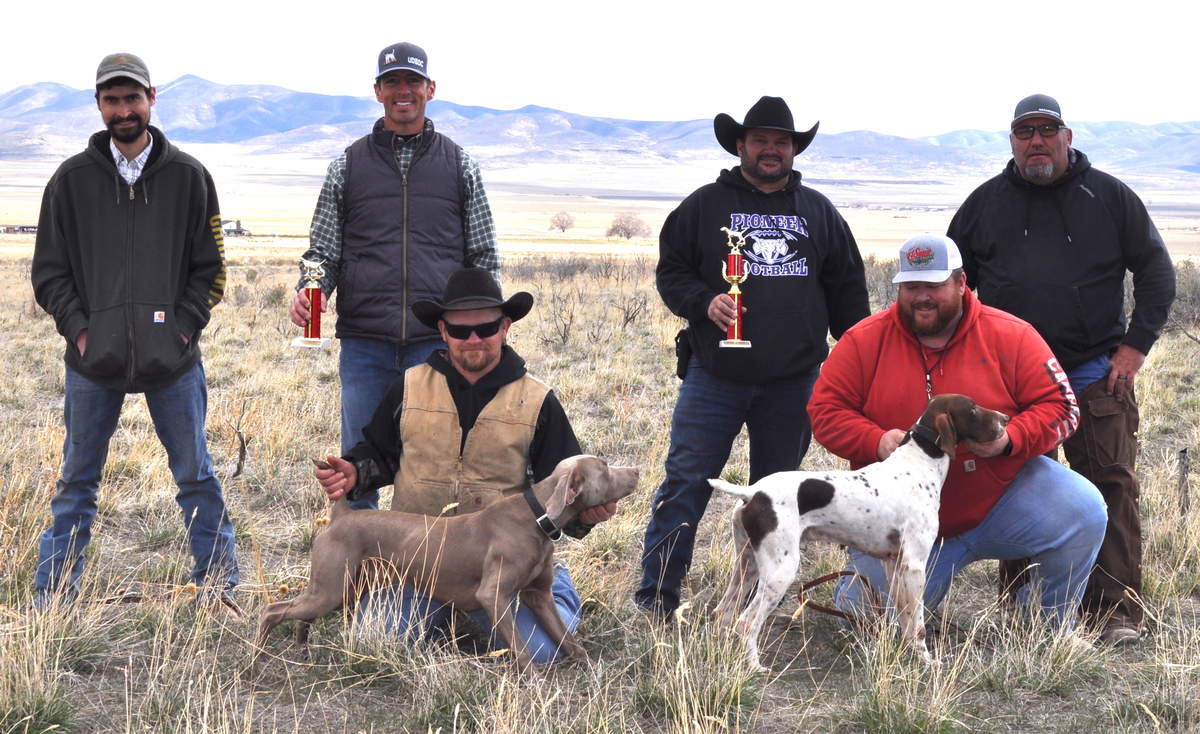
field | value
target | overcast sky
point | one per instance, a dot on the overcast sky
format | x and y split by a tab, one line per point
920	67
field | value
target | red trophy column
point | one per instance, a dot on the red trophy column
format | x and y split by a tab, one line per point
313	272
733	270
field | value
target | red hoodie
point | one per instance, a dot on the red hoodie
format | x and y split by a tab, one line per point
874	381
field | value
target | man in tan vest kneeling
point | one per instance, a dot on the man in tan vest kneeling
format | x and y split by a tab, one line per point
457	433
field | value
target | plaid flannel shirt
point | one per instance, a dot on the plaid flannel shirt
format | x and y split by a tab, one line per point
325	232
130	170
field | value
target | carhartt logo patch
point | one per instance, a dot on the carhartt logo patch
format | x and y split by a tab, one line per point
920	256
969	465
160	317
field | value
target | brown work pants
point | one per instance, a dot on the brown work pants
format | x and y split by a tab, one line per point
1104	450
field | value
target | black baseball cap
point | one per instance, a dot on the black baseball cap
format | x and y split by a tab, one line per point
403	57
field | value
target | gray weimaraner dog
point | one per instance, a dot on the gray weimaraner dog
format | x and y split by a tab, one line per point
482	560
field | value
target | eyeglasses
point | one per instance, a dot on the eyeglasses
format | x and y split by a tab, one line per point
1048	130
462	332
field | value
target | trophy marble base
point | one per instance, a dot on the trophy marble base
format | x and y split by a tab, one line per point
310	343
735	344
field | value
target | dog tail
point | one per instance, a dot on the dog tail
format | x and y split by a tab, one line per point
736	490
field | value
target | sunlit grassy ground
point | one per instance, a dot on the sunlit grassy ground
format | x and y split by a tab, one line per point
601	337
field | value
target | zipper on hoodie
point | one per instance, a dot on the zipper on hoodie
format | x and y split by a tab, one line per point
132	351
404	256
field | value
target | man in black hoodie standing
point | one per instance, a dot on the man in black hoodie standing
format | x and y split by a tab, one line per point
129	260
804	280
1050	240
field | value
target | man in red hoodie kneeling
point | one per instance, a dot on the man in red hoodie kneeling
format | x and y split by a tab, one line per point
1001	500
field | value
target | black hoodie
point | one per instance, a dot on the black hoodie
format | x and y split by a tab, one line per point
805	275
1056	256
139	266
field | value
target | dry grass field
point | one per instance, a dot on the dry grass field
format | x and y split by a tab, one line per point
601	337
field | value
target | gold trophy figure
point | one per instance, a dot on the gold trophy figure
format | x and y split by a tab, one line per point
733	270
314	270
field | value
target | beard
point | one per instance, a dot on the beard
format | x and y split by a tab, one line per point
753	170
1038	172
130	135
473	360
946	315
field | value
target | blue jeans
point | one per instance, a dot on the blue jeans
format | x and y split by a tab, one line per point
1048	514
367	368
405	613
708	416
178	411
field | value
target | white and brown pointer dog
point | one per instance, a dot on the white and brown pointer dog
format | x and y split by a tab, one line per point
482	560
888	510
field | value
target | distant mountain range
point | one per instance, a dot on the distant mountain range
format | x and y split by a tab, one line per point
44	120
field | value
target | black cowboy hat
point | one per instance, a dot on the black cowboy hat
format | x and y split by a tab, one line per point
469	289
771	113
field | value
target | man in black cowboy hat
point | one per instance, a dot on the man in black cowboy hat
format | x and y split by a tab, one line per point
466	428
805	279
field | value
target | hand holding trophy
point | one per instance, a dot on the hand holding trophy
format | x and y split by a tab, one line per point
733	270
314	270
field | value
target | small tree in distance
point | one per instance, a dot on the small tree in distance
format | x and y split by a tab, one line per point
562	221
627	225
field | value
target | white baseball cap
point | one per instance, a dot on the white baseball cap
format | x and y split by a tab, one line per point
928	258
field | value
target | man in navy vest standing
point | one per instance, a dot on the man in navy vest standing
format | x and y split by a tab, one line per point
401	209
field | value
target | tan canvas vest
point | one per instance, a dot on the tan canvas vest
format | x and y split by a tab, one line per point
494	460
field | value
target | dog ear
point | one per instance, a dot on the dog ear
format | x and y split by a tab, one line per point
947	436
565	492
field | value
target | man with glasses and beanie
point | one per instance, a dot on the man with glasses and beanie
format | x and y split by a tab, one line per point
400	210
804	280
1050	240
130	261
466	428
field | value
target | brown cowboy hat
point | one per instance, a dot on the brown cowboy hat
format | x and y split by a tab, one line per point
770	113
469	289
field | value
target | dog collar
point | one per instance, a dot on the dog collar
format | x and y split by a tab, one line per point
544	523
926	437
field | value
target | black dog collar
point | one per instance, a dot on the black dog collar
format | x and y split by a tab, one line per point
544	523
926	437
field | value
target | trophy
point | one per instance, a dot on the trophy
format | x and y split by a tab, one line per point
314	270
733	270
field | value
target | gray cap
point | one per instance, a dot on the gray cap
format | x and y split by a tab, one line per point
125	65
403	57
1036	105
928	258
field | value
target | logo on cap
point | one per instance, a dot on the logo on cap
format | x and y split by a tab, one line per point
390	57
415	61
919	256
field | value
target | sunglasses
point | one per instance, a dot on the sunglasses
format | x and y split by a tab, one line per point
462	332
1025	132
